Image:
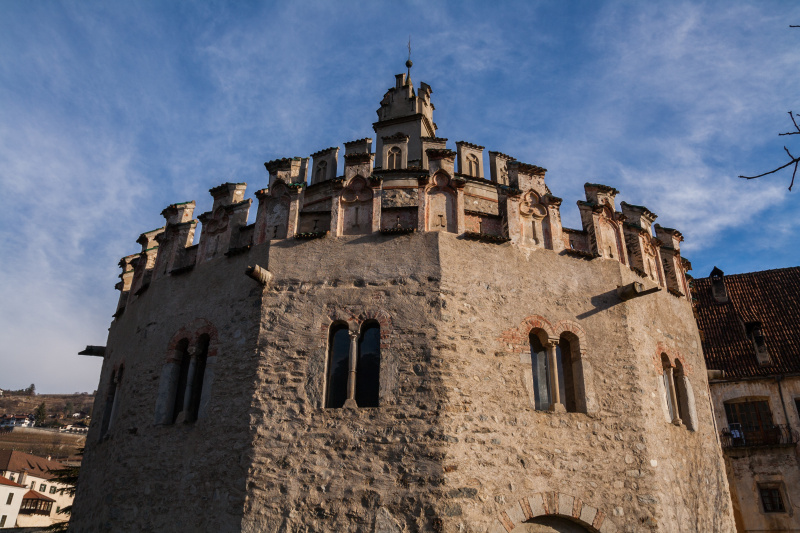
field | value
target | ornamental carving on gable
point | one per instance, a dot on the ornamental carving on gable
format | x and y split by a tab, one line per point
357	191
217	223
531	206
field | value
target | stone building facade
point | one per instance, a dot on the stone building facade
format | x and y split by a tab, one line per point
750	325
410	343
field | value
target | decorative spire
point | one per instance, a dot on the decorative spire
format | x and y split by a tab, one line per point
409	64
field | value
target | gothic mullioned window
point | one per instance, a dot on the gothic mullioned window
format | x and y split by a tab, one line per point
185	387
557	373
354	361
394	158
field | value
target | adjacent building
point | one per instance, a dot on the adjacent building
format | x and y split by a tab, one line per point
45	497
750	326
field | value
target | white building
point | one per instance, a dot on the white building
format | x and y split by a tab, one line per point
11	494
44	498
20	421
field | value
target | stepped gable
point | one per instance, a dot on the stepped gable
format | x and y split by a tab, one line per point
770	297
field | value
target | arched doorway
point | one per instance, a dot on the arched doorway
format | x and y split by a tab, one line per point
550	524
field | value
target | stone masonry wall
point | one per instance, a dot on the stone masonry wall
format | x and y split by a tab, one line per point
181	477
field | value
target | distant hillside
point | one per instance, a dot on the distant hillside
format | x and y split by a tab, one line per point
56	404
42	442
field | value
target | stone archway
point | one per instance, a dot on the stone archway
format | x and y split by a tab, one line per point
552	510
550	524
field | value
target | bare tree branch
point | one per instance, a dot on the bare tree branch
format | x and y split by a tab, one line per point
791	116
794	161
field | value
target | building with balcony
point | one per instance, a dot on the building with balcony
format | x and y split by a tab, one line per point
749	327
46	497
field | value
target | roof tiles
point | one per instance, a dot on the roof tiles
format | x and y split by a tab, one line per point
771	297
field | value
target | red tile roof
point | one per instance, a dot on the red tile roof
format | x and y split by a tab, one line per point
33	495
4	481
771	297
32	464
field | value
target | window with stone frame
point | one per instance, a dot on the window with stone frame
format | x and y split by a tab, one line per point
562	387
395	158
338	365
42	488
53	489
771	498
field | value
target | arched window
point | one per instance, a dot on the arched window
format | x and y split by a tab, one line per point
472	165
669	387
395	158
368	369
198	376
684	397
541	373
182	353
338	365
321	172
566	374
110	409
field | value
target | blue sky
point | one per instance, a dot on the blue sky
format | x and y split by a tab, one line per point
110	111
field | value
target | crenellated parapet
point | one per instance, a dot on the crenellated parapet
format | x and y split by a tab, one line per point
222	225
411	182
125	282
674	265
288	169
177	236
144	263
603	223
644	250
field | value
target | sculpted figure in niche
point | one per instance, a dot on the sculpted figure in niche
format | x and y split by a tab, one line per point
277	218
441	205
534	224
356	207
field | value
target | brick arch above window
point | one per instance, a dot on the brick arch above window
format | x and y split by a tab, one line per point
519	337
673	355
192	332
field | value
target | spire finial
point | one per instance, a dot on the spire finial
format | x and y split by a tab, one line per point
409	63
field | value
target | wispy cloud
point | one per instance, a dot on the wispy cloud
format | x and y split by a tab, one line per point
113	111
